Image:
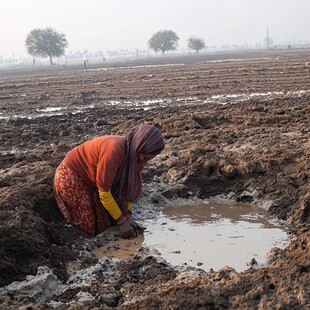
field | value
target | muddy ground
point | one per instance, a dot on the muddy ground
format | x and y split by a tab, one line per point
235	125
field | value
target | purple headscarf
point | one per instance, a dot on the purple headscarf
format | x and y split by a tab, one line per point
127	186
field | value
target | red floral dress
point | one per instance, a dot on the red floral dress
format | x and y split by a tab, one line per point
79	203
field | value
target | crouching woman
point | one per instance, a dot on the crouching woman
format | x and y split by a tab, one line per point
97	181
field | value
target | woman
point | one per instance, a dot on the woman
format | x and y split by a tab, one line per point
98	180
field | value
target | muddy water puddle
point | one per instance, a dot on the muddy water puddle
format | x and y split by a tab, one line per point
222	99
122	248
207	236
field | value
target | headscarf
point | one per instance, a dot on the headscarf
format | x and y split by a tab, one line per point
127	186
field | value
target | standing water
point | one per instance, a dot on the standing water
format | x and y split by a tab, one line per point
208	235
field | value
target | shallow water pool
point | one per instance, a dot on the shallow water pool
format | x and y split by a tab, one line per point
209	235
214	235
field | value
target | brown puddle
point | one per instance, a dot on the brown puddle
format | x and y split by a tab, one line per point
209	235
213	235
122	248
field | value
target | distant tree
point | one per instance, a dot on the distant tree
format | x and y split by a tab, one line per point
196	44
46	43
164	40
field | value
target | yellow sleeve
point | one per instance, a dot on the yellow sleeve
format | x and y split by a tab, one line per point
110	204
129	207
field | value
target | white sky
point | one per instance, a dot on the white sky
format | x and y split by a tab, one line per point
125	24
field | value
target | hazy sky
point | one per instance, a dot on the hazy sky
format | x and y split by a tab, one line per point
125	24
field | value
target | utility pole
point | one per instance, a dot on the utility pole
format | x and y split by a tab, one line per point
267	38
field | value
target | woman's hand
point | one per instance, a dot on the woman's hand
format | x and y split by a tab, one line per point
130	220
127	229
138	228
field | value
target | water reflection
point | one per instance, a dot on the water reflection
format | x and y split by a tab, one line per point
213	235
213	211
207	236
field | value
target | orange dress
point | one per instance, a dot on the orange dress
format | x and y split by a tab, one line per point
97	161
88	167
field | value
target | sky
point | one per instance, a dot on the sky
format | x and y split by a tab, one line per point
95	25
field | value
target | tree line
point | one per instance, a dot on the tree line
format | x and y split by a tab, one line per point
50	43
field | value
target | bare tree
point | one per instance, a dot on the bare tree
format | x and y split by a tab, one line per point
46	43
164	40
196	44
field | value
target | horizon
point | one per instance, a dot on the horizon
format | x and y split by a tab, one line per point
128	25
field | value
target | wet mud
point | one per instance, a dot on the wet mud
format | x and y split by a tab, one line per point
236	126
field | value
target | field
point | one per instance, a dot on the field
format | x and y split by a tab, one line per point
235	125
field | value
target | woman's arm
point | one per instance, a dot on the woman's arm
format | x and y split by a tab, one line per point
111	206
126	227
